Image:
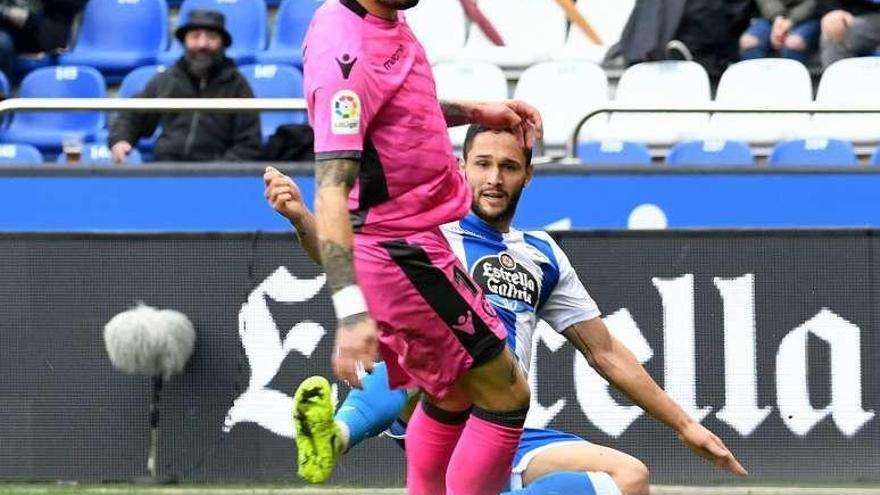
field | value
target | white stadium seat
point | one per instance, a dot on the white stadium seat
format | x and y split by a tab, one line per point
608	18
849	83
469	81
768	81
532	31
441	43
564	92
661	83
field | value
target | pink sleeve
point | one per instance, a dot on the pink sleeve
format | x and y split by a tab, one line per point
342	100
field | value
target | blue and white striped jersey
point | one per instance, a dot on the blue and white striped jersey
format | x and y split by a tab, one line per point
525	275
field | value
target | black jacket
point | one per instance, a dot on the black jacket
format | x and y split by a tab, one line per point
48	27
195	136
854	7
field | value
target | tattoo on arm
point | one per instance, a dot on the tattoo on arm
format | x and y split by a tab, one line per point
337	261
336	254
336	173
455	113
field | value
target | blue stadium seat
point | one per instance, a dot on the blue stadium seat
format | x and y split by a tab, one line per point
4	86
25	63
116	35
710	152
7	93
611	152
246	20
275	81
44	129
875	157
135	81
99	154
291	23
814	151
14	154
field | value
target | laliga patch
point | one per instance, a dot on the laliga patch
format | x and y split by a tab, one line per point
346	110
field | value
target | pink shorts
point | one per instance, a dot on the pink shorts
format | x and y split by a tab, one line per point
434	323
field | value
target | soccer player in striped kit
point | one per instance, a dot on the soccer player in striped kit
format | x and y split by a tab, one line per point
526	276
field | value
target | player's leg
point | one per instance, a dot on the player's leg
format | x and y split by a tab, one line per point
432	434
434	328
369	411
481	461
548	460
321	437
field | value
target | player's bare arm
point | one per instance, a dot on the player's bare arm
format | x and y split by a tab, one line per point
284	197
356	344
611	359
523	119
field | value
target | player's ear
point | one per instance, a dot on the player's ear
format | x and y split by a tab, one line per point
461	164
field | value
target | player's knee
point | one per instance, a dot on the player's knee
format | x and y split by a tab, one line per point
633	478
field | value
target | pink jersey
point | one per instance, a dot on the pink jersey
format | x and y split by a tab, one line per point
371	96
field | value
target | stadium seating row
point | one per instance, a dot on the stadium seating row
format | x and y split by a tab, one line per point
118	35
566	91
45	129
803	152
534	31
577	88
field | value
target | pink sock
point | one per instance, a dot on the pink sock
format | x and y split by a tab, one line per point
430	439
481	463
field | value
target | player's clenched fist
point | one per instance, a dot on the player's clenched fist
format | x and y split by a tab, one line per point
283	195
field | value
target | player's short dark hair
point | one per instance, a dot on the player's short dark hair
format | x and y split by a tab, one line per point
475	129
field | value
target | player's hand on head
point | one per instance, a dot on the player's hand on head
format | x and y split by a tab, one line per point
283	194
357	348
532	124
707	445
520	117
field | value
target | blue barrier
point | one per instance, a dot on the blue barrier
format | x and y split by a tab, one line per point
231	200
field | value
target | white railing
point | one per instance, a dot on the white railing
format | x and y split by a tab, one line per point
153	104
571	144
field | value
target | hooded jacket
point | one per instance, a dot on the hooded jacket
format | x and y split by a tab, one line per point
195	136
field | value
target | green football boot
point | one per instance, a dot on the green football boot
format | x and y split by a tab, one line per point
317	436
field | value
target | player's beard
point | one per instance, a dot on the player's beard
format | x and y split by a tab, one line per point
505	214
399	4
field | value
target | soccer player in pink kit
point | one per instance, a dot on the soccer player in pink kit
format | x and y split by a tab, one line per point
386	170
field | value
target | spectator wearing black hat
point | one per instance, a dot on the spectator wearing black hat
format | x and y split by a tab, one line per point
850	28
203	71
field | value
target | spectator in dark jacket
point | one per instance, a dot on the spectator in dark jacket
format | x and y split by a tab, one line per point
787	27
204	71
850	28
34	27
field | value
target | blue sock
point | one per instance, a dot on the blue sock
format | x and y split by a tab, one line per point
558	483
369	411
